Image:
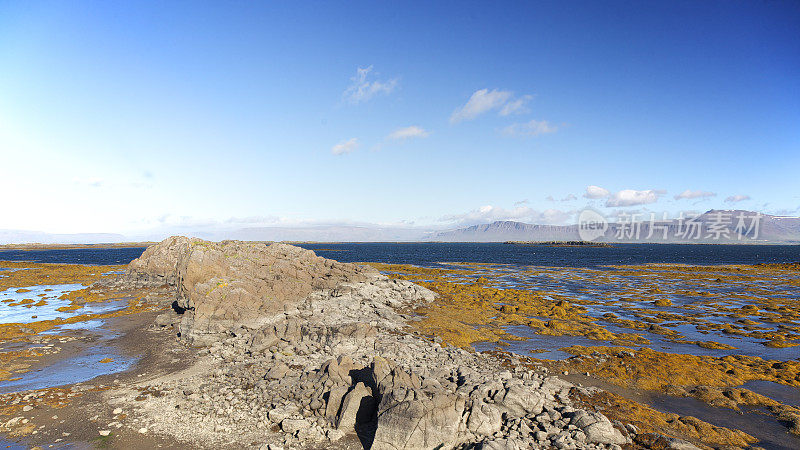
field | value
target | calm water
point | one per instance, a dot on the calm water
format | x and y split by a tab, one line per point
498	253
93	256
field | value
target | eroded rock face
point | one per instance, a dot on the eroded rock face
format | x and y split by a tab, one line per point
158	264
230	284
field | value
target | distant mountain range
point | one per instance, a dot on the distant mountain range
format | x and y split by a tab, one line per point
25	237
714	226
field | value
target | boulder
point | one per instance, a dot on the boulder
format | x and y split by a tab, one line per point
484	420
357	406
159	262
520	400
597	427
410	417
230	284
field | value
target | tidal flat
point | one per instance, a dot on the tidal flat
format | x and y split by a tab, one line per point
666	335
706	354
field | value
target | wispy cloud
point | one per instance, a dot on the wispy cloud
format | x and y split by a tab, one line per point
569	198
480	102
631	197
518	106
689	194
345	146
530	128
362	89
737	198
408	133
522	202
595	192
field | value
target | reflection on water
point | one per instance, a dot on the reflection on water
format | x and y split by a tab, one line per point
785	394
755	422
98	359
693	308
35	303
78	369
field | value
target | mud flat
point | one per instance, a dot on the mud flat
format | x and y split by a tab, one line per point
665	342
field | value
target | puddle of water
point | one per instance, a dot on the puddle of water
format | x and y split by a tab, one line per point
49	311
778	392
78	369
5	444
628	296
759	424
85	325
535	342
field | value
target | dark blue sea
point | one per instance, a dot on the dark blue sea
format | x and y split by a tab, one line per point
426	254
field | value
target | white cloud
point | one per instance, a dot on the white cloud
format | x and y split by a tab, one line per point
517	106
630	197
689	194
408	133
595	192
522	202
361	89
531	128
480	102
489	213
569	198
737	198
345	146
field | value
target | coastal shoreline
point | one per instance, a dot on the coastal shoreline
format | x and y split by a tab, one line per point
155	381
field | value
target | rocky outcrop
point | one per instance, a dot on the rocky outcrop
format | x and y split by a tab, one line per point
230	284
306	352
158	264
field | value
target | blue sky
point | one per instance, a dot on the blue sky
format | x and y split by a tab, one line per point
134	116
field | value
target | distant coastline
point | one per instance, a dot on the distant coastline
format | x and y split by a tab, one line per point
561	243
38	246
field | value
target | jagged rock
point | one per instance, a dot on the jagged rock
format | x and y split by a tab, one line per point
224	285
503	444
409	418
277	371
294	425
484	419
357	402
521	400
335	397
277	415
159	262
597	428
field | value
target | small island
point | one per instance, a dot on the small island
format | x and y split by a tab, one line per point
561	243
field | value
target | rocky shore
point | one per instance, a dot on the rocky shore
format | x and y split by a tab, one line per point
297	351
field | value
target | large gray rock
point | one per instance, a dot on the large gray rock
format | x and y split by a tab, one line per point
521	400
358	401
230	284
410	417
597	427
159	262
484	420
